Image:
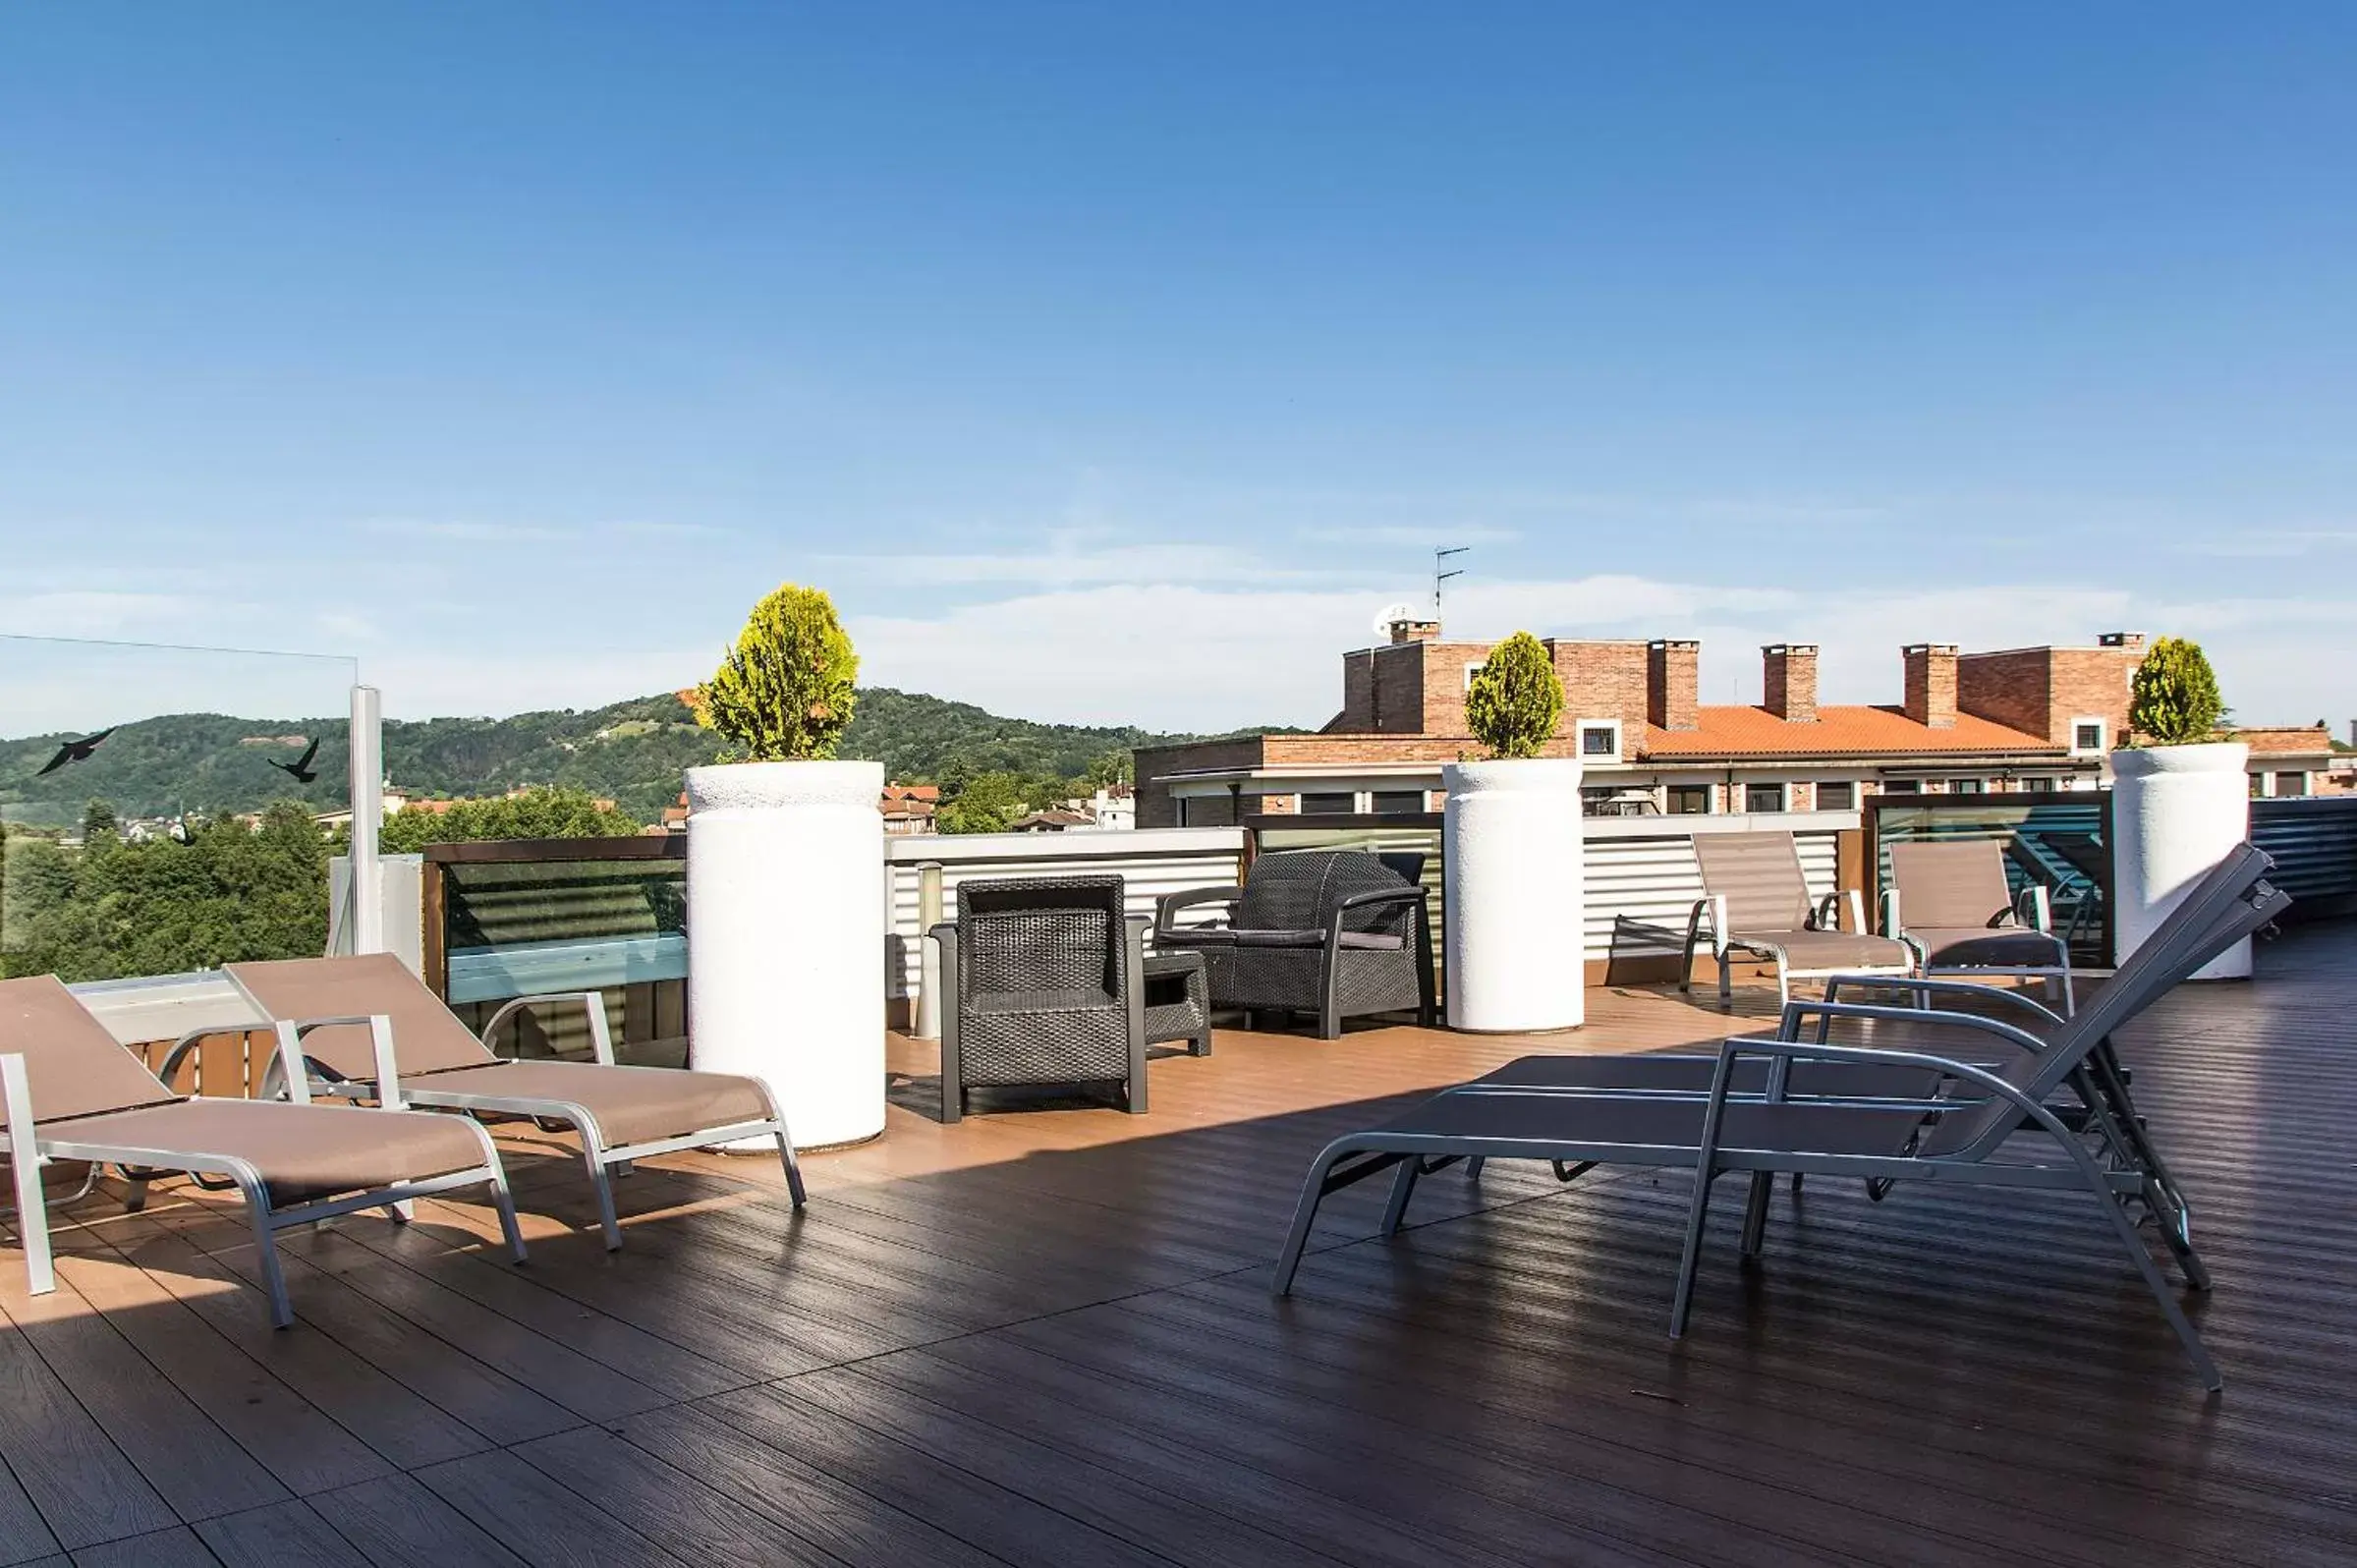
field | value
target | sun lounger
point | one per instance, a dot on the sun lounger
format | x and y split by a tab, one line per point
1949	900
1755	900
72	1093
1882	1144
621	1113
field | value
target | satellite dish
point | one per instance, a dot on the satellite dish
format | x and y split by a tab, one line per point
1391	615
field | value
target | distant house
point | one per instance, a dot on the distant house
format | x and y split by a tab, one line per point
2293	761
1057	820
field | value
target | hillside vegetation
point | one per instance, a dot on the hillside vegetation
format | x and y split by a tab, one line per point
632	751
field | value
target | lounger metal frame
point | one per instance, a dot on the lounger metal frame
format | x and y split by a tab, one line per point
602	1161
1724	941
142	1162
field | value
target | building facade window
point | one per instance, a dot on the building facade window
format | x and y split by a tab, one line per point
2039	786
1328	803
1967	786
1903	786
1763	796
2288	784
1838	795
1689	800
1398	802
2087	736
1600	737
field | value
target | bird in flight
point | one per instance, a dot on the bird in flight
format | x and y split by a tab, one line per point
299	769
75	752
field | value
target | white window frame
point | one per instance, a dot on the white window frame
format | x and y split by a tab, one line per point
2103	735
1580	731
1473	669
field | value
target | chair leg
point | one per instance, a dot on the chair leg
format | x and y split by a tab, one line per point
602	1181
1305	1215
135	1194
402	1212
1473	1167
2158	1283
1683	1298
1727	982
785	1154
1755	1214
505	1201
1403	1187
33	1220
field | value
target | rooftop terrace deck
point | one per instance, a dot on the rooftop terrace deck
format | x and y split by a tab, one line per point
1046	1338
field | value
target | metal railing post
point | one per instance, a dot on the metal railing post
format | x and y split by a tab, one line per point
368	819
929	951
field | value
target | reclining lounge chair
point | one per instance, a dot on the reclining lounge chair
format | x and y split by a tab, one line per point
1952	903
622	1113
1755	900
72	1093
1882	1145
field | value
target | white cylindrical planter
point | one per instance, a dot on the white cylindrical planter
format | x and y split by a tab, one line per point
2176	812
1513	901
785	920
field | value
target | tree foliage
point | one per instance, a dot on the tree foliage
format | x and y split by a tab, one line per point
527	813
1515	698
786	691
988	803
162	906
2174	700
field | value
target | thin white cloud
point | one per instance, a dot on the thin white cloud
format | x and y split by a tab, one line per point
2269	545
98	612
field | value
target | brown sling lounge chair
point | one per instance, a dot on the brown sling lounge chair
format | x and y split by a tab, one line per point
1952	903
72	1093
1755	900
622	1113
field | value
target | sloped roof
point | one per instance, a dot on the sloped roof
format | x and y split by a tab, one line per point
1839	730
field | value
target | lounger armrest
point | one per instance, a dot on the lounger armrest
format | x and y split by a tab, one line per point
2035	910
1790	1050
1891	924
1924	986
296	1067
184	1044
24	1162
1715	907
592	1004
1826	916
16	1108
1170	904
1826	1012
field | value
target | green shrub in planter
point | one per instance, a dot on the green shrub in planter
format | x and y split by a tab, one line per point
2175	700
785	692
1515	698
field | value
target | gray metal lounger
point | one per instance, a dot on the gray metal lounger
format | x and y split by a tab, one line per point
622	1113
72	1093
1755	900
1949	901
1883	1145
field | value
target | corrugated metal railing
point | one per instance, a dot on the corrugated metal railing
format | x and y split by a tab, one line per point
2314	845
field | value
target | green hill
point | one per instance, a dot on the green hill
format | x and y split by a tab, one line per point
633	752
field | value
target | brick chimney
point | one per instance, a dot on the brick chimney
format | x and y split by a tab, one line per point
1930	684
1415	631
1672	683
1789	683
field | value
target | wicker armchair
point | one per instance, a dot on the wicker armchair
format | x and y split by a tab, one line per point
1041	984
1334	932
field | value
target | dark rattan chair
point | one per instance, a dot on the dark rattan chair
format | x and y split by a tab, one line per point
1335	932
1042	982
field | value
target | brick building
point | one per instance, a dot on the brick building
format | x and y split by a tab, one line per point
2029	719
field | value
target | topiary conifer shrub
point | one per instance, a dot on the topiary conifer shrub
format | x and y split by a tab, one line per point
2174	699
1515	698
786	690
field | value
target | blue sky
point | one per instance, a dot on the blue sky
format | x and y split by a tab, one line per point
1117	363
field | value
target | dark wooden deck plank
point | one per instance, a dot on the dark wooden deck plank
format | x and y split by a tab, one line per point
287	1535
538	1520
177	1547
397	1522
669	1506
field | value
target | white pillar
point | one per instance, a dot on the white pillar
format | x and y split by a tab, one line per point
368	819
2176	812
1514	900
786	921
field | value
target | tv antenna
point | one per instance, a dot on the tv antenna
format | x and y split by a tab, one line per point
1442	571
